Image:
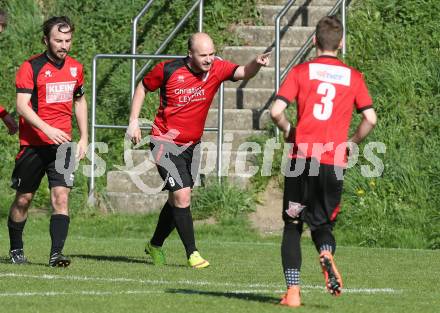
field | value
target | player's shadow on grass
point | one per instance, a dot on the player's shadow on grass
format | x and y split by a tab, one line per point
117	258
241	296
6	260
111	258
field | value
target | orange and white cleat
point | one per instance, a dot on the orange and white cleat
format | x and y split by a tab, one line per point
292	297
333	280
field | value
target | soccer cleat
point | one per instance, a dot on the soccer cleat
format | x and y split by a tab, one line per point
196	261
17	256
333	280
292	297
156	253
59	260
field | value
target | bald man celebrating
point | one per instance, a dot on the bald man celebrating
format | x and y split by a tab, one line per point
187	87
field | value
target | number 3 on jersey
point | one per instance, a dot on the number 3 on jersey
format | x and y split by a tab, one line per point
322	111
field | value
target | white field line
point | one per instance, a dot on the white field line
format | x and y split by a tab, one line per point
77	293
192	283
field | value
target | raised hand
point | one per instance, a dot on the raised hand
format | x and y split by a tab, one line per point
264	59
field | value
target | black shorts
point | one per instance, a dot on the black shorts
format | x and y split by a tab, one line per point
32	162
178	165
320	194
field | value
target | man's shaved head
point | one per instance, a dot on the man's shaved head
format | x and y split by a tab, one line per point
201	52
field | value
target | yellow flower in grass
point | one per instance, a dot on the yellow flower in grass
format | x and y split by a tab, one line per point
372	183
360	192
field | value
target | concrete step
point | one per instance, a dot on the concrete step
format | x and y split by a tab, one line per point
139	202
300	2
232	162
264	79
296	16
246	98
150	183
135	203
292	36
234	138
233	119
244	54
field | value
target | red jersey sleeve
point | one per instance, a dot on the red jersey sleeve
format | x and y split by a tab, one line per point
226	69
24	80
154	78
289	88
79	87
3	112
362	98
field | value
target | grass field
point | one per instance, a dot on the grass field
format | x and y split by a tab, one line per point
110	273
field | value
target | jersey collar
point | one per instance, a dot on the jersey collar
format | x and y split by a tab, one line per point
186	62
327	56
58	66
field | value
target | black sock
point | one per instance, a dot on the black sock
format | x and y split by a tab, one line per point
324	240
291	247
165	225
15	233
59	227
185	228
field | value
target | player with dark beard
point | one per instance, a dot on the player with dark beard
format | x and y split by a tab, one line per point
47	86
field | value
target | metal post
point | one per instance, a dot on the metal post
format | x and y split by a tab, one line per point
278	52
220	134
277	65
92	157
134	43
344	25
201	16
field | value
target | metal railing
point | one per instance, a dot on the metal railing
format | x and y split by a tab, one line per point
278	52
134	76
305	49
155	56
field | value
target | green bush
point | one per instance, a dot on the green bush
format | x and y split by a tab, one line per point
222	201
396	45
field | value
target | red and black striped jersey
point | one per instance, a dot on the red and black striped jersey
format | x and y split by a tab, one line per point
185	97
325	90
53	88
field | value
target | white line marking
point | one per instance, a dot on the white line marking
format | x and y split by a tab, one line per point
193	283
80	293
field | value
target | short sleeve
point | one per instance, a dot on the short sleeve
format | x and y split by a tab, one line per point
154	78
289	88
226	69
24	79
362	98
79	88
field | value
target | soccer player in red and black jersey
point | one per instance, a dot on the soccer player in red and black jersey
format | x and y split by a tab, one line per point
325	91
48	85
187	87
4	115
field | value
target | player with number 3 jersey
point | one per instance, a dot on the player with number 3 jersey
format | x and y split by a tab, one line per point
325	91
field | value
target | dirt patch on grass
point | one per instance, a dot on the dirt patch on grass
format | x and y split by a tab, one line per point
267	218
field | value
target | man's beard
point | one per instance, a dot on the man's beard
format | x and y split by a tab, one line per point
54	56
